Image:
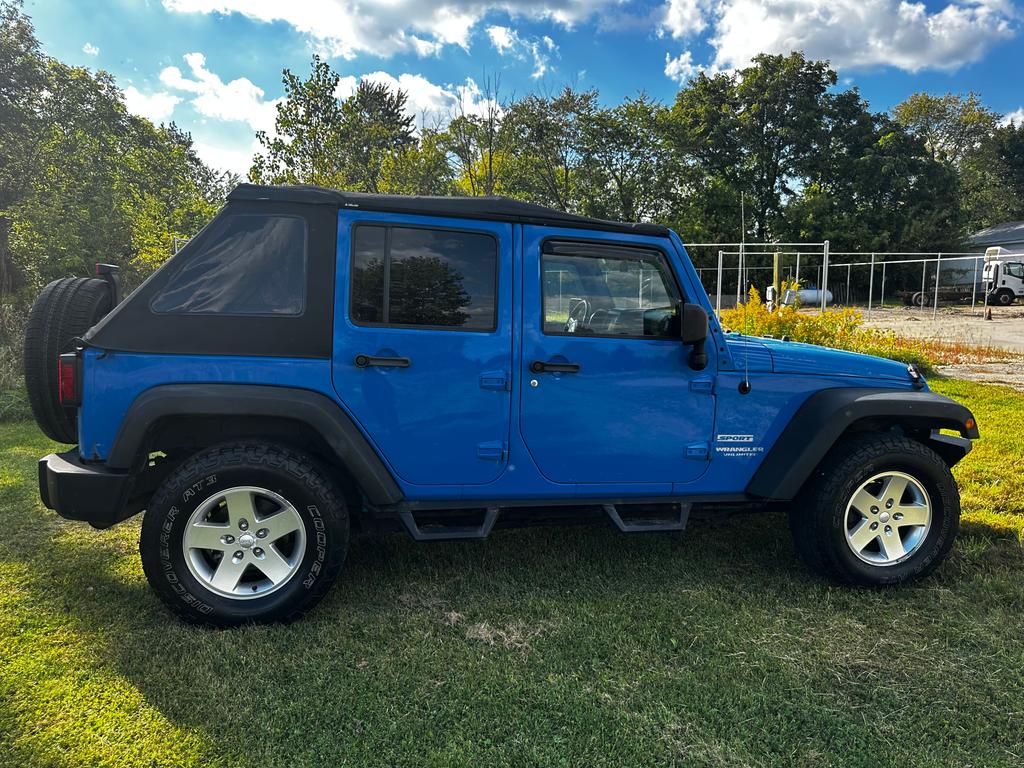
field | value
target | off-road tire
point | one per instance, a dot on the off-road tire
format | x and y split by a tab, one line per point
65	310
296	477
817	517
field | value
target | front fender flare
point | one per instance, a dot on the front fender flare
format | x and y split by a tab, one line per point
826	415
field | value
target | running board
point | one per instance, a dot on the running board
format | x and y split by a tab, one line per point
449	532
638	524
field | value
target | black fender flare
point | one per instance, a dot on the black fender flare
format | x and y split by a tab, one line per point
826	415
317	411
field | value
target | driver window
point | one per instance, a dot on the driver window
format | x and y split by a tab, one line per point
1014	269
607	292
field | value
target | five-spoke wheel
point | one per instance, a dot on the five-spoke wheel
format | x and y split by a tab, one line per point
245	542
888	518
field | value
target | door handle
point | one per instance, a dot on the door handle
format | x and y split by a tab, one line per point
365	361
539	366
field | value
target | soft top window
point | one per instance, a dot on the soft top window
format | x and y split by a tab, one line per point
245	264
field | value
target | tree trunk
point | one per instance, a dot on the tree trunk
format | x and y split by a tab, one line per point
6	267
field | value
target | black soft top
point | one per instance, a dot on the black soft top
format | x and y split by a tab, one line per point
492	208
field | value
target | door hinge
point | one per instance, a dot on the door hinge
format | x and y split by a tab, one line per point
496	380
704	384
494	450
697	451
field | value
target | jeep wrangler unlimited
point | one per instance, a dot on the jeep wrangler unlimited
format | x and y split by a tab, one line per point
315	360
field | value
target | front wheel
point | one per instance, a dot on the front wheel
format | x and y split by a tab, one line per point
246	533
880	510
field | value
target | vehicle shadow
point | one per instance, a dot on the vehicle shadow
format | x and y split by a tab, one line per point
409	626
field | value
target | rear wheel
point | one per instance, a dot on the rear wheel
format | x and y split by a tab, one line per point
65	310
247	533
881	509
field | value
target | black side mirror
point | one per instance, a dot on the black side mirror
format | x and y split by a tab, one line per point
693	330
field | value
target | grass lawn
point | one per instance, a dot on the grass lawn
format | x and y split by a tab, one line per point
575	647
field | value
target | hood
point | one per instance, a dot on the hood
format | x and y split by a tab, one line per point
795	357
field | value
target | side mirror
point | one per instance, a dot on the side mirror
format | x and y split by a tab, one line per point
693	330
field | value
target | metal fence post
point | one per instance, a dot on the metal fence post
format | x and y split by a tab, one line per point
974	285
797	278
938	268
871	285
824	276
718	296
881	298
924	274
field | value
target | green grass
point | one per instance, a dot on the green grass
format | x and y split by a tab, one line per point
574	647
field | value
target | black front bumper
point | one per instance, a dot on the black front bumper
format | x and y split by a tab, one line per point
77	490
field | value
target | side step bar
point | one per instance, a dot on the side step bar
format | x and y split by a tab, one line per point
674	518
448	532
638	524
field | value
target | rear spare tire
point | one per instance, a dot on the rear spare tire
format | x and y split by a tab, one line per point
65	310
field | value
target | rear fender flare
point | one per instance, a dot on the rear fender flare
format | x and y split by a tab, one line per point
317	411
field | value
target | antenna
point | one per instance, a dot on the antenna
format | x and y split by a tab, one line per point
745	384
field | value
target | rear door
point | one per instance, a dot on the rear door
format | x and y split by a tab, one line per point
610	396
423	342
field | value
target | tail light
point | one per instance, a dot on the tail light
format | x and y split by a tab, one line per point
69	379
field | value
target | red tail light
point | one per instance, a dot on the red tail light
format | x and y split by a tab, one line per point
69	379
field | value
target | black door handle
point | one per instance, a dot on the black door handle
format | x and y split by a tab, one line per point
539	366
365	361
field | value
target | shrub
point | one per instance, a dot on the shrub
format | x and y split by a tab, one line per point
839	329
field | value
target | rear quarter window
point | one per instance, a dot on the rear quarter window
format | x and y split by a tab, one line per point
247	264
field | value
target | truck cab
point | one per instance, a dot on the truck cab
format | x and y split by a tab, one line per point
1003	276
317	361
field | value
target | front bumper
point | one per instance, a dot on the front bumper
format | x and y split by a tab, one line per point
76	490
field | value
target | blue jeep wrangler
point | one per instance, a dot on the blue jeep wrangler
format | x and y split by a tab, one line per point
315	361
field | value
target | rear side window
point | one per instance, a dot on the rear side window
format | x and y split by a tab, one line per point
428	278
246	264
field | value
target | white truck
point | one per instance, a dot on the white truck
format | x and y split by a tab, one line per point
1003	276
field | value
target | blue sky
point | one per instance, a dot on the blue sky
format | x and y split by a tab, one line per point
214	66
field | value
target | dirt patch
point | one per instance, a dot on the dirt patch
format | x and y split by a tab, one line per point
954	325
1009	373
515	636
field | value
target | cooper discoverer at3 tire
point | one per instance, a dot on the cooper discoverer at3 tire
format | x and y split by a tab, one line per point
244	533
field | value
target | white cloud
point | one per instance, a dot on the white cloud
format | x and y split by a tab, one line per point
502	38
1013	118
854	34
347	28
507	42
681	68
239	99
431	104
90	50
157	107
235	157
346	87
683	18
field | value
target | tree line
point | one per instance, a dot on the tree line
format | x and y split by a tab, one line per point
775	151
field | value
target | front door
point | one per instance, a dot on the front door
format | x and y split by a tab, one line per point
423	342
609	396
